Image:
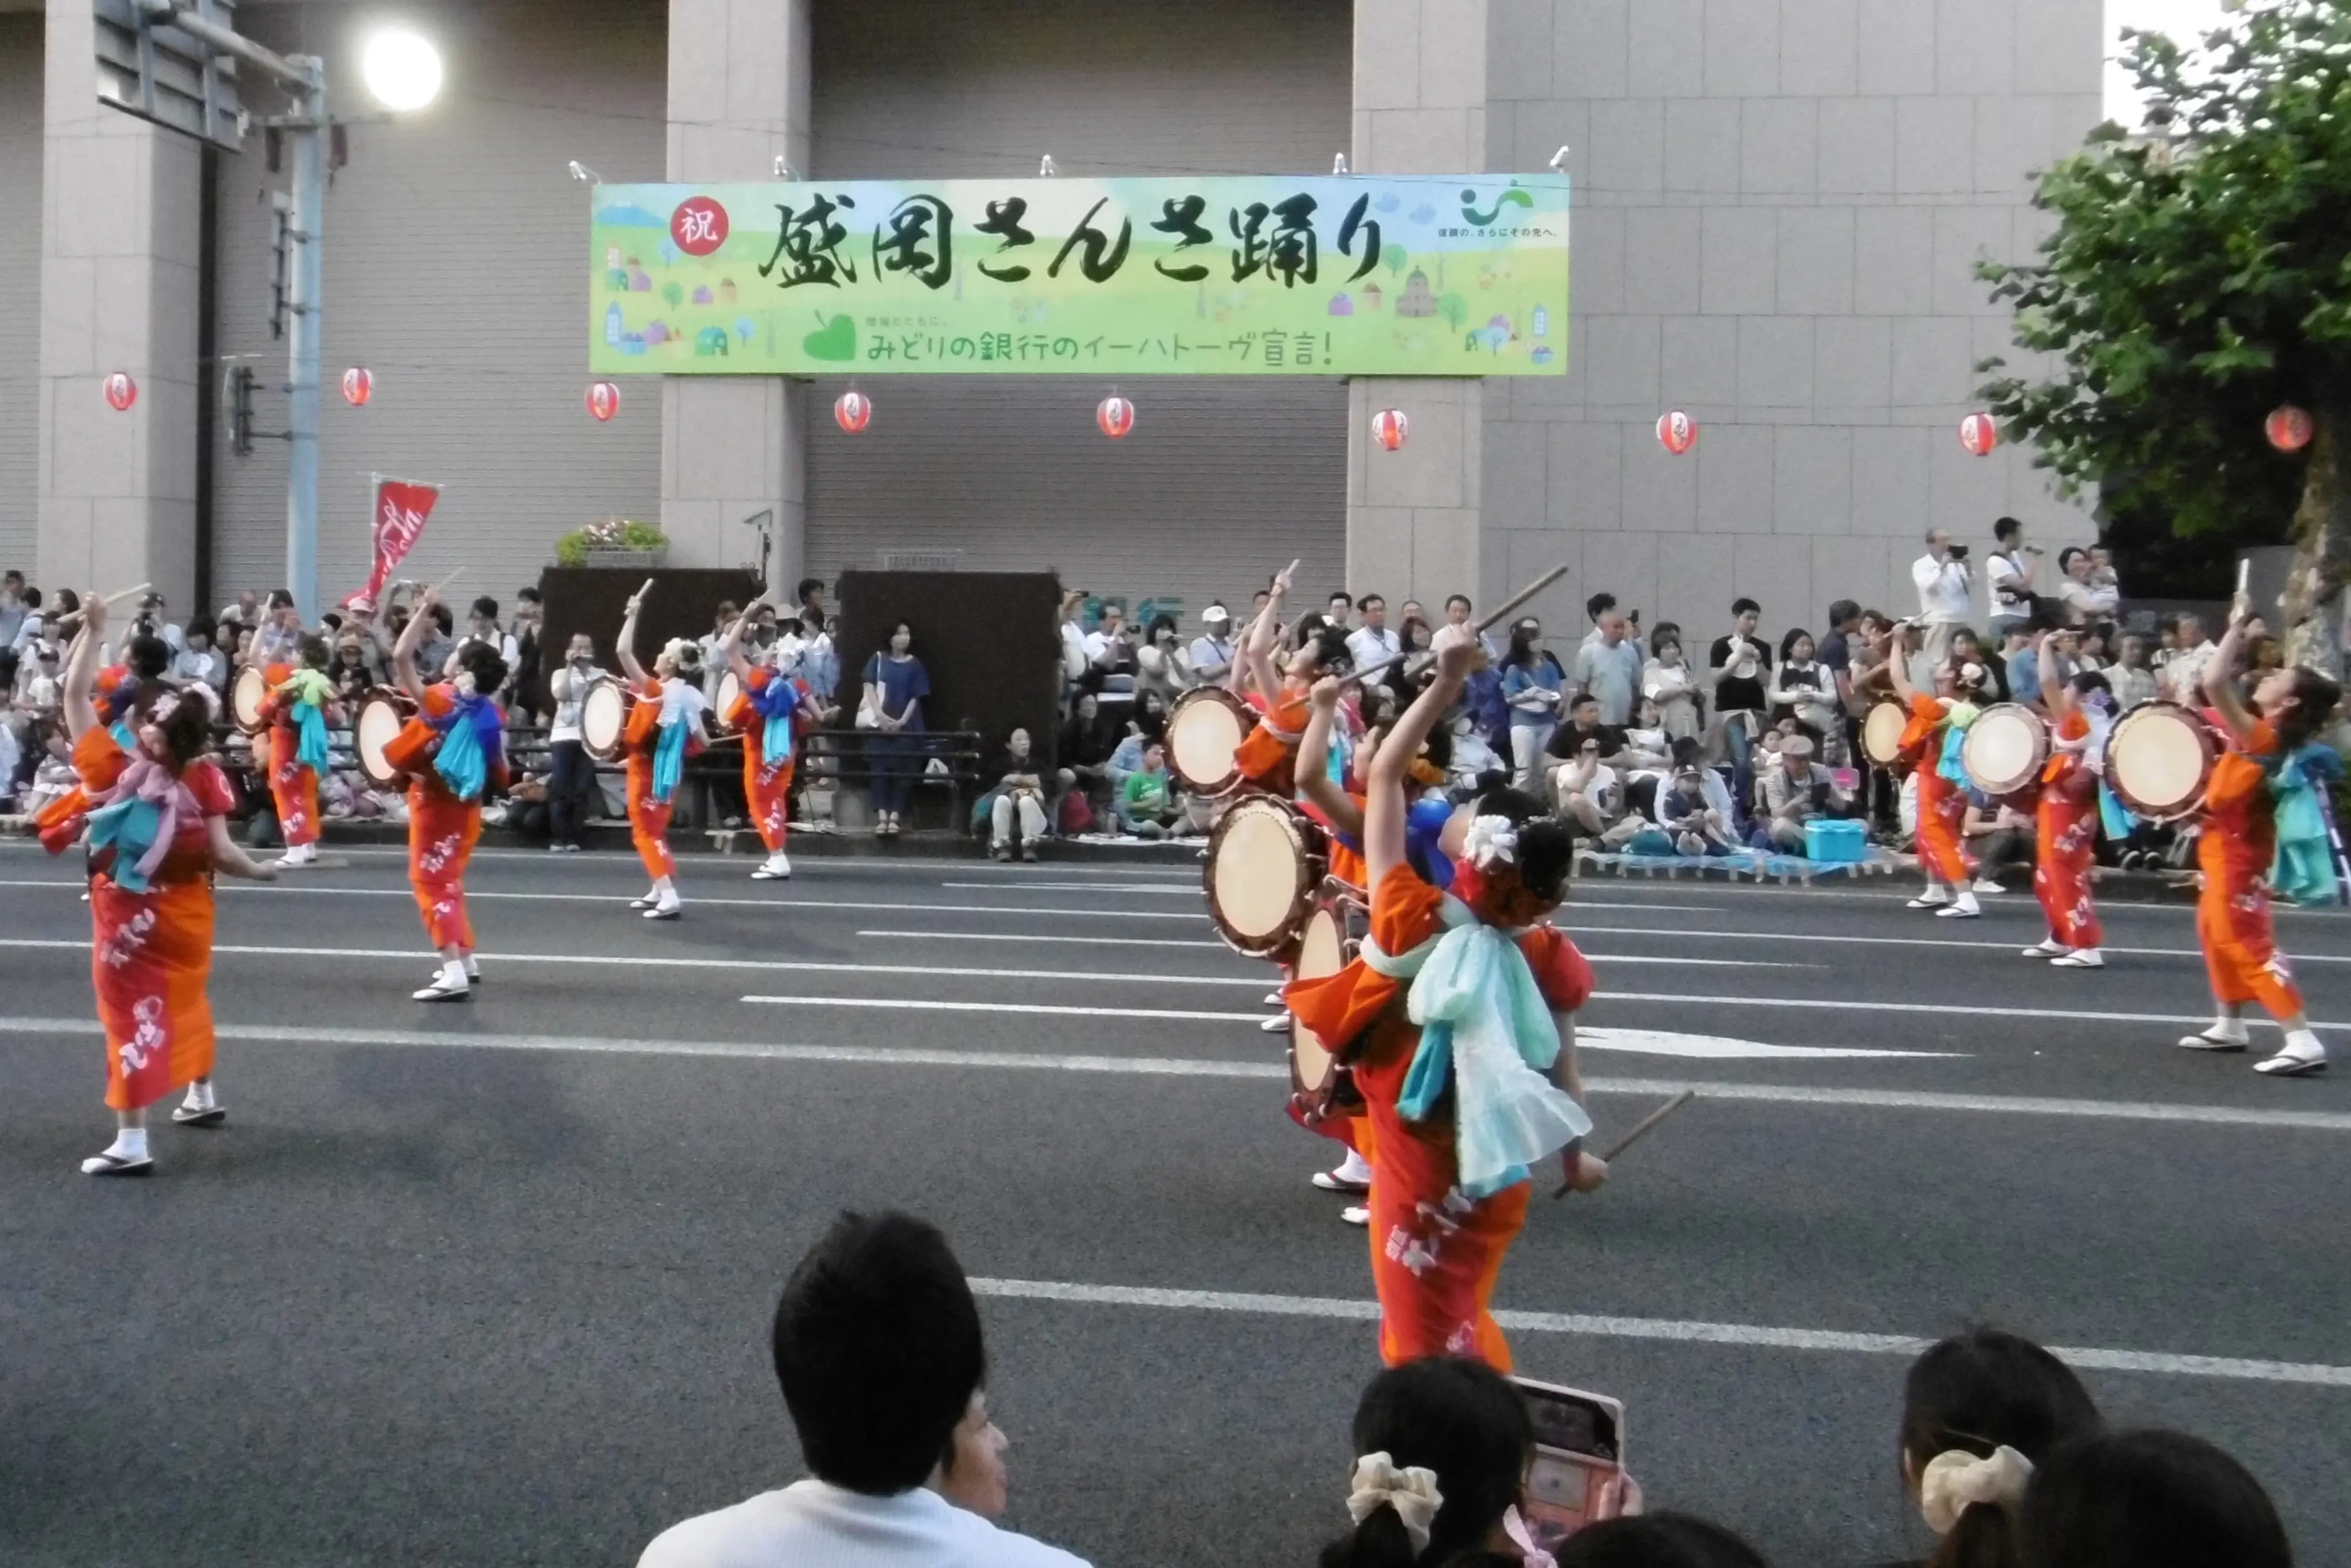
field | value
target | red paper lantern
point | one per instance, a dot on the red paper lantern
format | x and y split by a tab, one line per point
121	391
1979	432
2290	428
852	411
1115	416
1677	431
603	401
358	386
1389	427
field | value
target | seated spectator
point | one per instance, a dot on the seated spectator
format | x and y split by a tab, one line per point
1583	723
1657	1541
1442	1448
2129	677
1795	792
1694	824
1589	796
1648	744
2000	837
1148	805
1016	800
1980	1410
2147	1499
1087	742
878	1348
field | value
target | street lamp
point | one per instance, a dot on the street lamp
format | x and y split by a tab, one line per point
402	69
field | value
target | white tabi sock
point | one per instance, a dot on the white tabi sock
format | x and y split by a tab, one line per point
130	1144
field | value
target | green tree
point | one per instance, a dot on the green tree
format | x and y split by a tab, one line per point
2196	277
1455	310
1396	259
674	293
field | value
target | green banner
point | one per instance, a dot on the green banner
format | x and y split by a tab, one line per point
1256	275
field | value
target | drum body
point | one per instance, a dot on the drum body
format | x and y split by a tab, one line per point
2159	758
245	695
730	689
604	718
2005	748
1266	860
1320	1084
1881	733
1204	731
382	714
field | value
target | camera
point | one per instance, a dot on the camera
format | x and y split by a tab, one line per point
1959	552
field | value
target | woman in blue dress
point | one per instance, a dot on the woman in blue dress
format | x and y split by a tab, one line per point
896	686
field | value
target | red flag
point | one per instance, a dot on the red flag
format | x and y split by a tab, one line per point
401	509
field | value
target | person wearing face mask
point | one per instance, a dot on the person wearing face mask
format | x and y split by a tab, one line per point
878	1347
155	819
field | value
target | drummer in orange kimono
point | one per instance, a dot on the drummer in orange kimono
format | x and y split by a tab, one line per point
1458	1020
2238	846
665	730
454	752
2065	820
1268	754
1942	799
157	827
298	709
765	713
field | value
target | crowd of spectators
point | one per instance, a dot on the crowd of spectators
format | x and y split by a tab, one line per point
2002	1454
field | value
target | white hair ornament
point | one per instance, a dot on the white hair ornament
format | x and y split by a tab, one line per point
1493	840
1411	1491
1956	1480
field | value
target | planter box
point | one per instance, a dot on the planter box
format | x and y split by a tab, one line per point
626	560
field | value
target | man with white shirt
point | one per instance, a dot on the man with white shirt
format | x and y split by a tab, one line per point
1608	669
2182	676
2007	577
1944	606
1211	652
878	1347
1372	645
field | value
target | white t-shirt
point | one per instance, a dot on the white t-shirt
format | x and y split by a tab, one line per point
814	1524
1942	590
1367	647
2010	596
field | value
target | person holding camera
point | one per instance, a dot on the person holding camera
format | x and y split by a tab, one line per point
571	772
2007	577
1944	605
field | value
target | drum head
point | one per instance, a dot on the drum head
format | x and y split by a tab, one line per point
1322	950
1205	730
1262	870
245	695
379	721
2159	759
1881	733
730	686
603	719
2005	748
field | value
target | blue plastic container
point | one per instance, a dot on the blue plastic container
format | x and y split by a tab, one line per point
1836	844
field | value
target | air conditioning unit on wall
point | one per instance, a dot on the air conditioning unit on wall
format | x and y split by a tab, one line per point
921	559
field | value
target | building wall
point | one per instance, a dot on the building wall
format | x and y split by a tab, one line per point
1778	204
1224	479
20	261
455	271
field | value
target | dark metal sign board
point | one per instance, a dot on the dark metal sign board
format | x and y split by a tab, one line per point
160	73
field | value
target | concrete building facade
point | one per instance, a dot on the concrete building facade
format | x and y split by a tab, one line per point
1777	203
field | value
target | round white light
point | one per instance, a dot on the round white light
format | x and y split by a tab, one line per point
402	70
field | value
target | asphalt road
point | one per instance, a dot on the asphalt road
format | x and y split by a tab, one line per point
489	1284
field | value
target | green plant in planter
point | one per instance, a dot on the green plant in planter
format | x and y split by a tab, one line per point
611	534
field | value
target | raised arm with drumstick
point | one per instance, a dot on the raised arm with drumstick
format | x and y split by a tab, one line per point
663	725
1942	804
1257	647
2066	815
765	711
455	755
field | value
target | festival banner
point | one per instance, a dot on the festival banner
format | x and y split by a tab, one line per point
1255	274
400	508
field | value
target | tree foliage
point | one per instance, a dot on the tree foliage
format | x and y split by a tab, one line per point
2195	278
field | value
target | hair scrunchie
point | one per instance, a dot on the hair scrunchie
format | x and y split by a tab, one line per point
1493	840
1412	1491
1956	1480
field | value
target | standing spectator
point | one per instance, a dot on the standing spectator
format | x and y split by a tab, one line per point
529	625
2103	575
1608	668
2008	576
2085	602
1835	654
1017	800
481	626
279	639
1532	686
436	648
2183	675
1413	634
1147	803
1802	689
571	772
350	671
1161	670
878	1347
30	622
2020	659
1372	645
896	686
1666	681
2128	677
812	614
1212	650
1110	647
12	609
1340	611
1797	792
714	662
1740	664
1944	603
2146	1499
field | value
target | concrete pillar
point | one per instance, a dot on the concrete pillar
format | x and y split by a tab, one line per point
119	265
733	446
1412	513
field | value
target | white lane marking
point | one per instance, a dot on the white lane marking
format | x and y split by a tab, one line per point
1719	1047
1189	888
1176	942
1209	1068
1680	1331
2012	946
908	1004
2021	1015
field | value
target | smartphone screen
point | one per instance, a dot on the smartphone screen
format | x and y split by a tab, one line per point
1579	1439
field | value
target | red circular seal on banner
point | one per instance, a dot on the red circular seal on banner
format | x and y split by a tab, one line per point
698	226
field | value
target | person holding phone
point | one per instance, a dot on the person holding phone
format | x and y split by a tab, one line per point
1944	599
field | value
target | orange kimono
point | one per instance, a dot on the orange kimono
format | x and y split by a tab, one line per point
1942	805
766	786
1436	1252
293	788
2235	851
441	828
2065	833
151	951
1268	754
648	818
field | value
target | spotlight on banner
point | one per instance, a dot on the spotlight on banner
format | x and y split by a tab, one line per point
1979	432
852	411
603	401
2289	427
1389	428
1115	416
121	391
359	385
1677	431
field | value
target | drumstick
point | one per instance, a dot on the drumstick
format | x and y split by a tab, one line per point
1640	1129
1488	624
114	599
